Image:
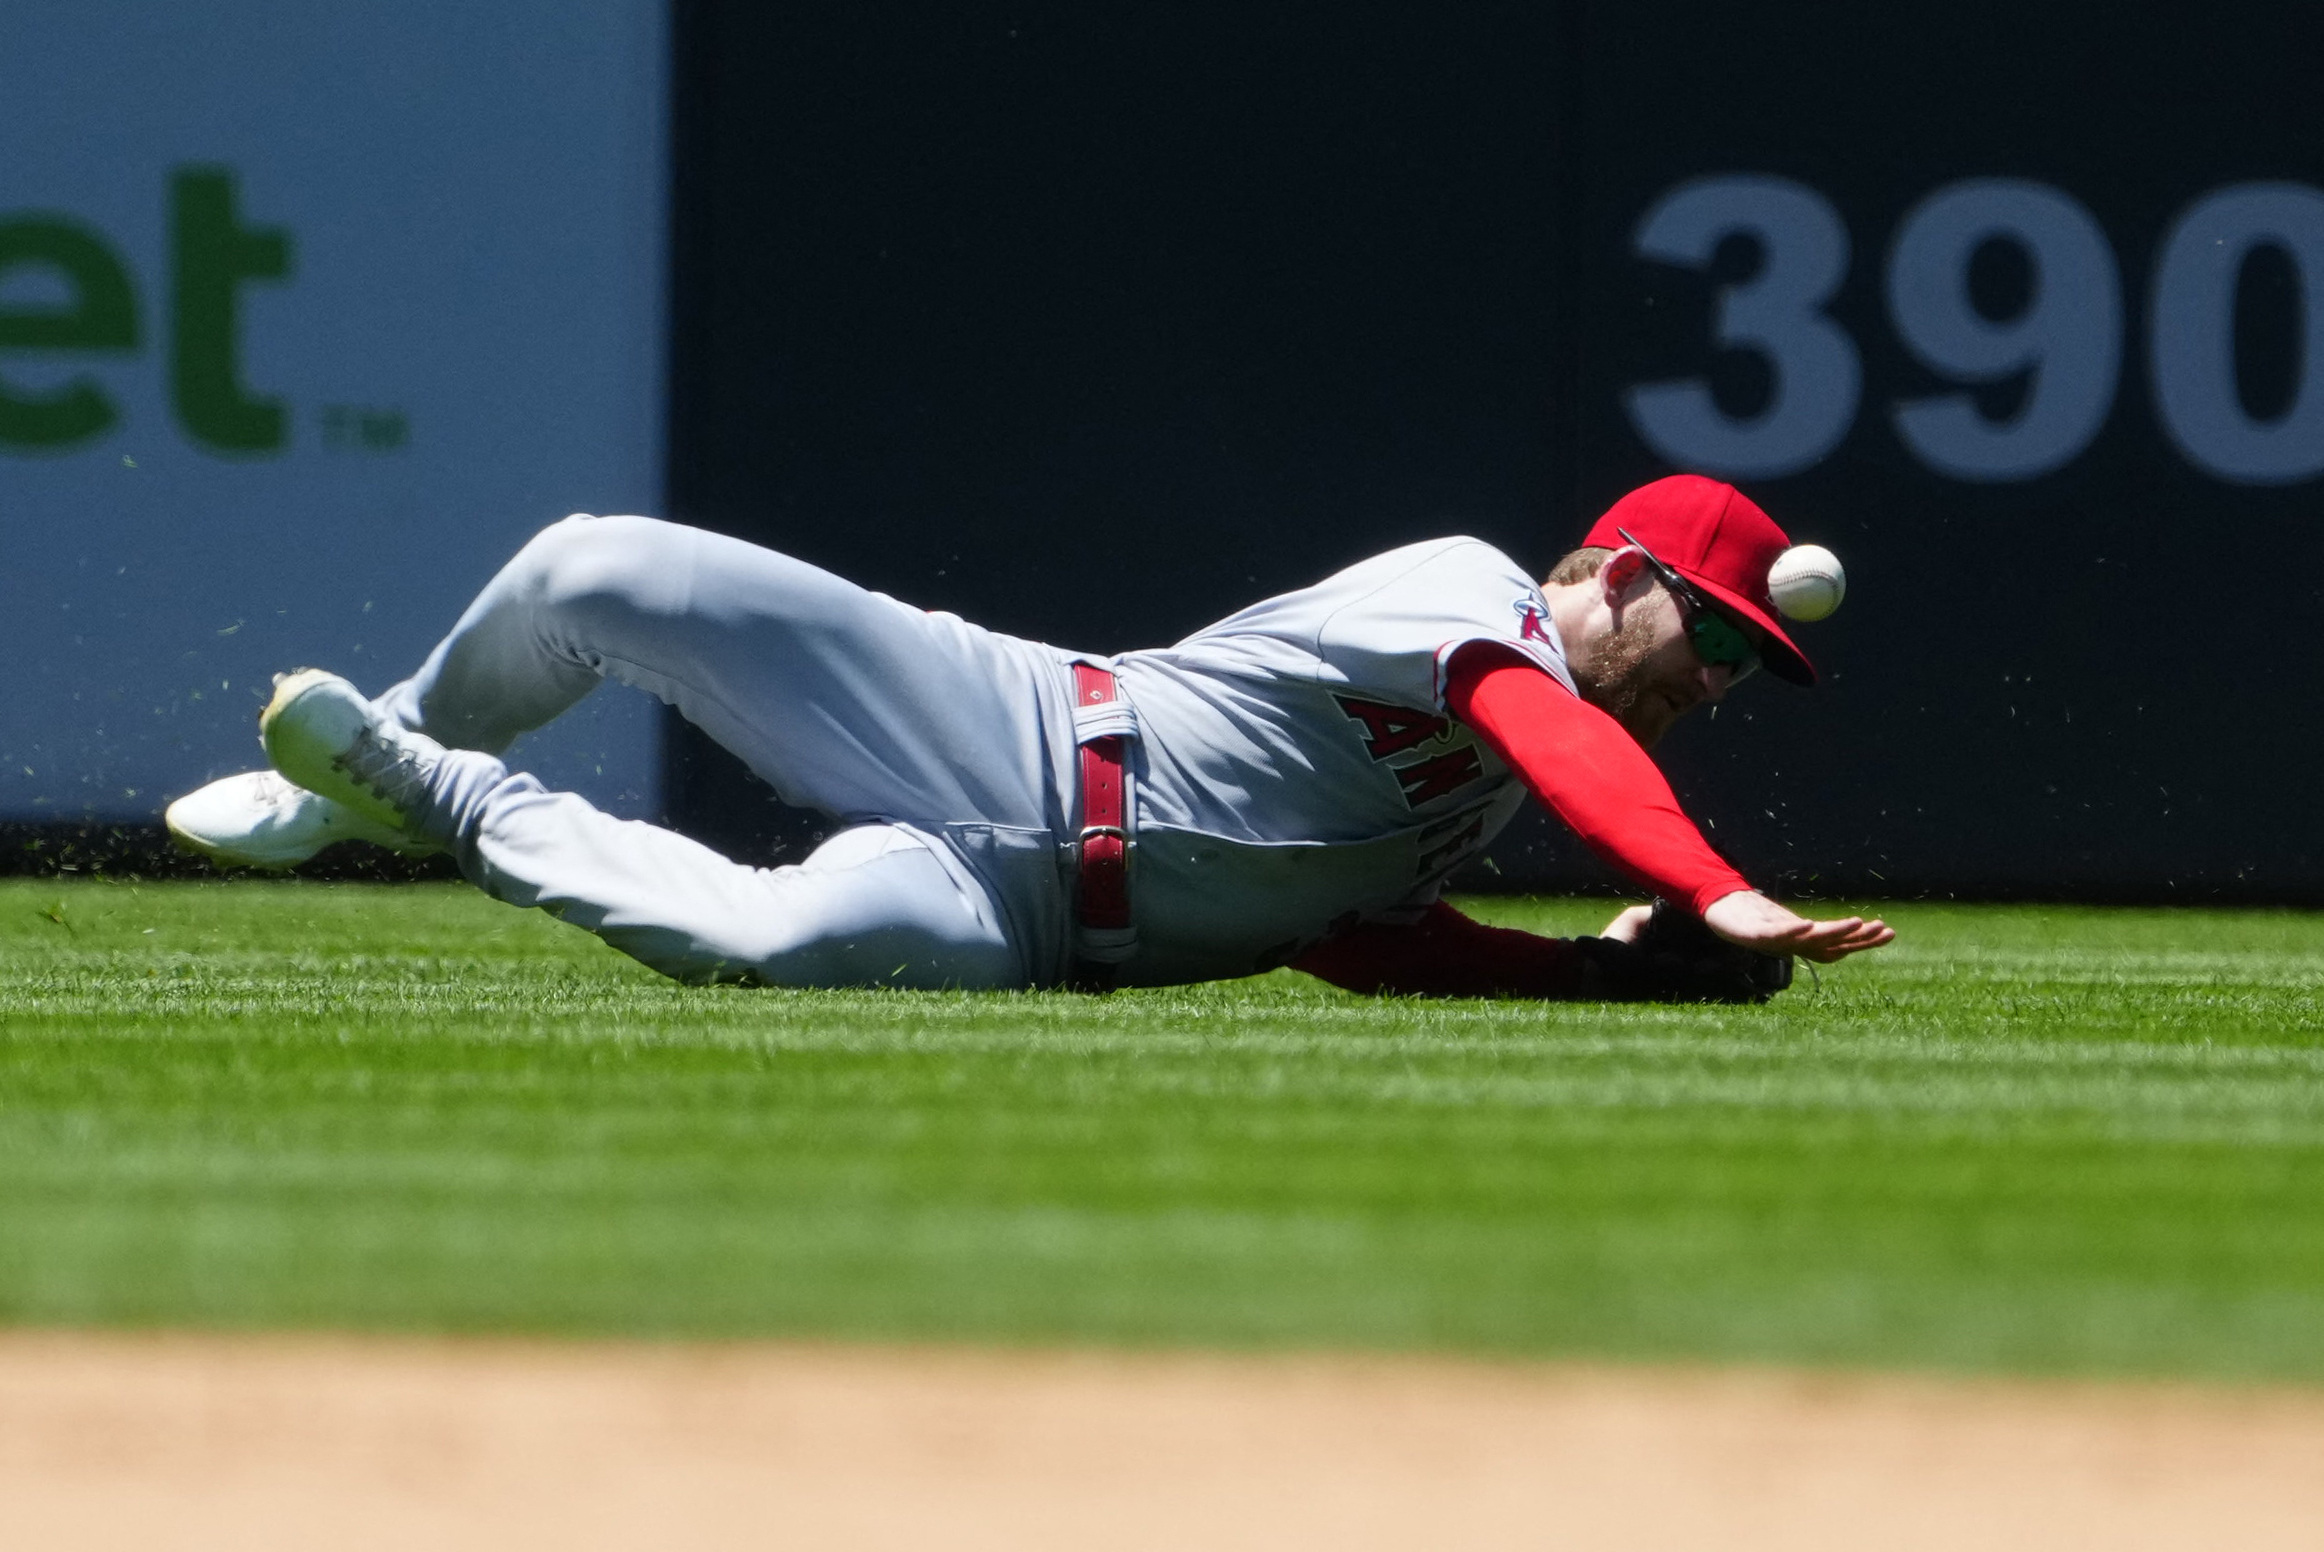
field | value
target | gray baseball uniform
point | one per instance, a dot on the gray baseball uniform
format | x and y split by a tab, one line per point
1291	768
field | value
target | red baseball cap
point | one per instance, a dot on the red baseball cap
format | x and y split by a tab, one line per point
1718	539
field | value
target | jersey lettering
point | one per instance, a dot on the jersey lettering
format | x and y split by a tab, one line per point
1392	729
1424	781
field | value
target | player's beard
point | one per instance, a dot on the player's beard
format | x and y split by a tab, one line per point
1619	682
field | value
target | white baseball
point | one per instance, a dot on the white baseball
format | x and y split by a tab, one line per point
1806	582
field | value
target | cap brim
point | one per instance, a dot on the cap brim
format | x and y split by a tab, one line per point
1778	651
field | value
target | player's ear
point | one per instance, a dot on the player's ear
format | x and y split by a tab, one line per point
1621	572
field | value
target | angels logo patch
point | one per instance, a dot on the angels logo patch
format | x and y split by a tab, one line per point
1532	618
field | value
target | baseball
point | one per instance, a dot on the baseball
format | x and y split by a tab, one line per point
1806	582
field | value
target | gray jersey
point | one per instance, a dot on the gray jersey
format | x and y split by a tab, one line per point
1296	770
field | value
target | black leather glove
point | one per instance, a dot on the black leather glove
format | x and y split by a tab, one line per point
1678	959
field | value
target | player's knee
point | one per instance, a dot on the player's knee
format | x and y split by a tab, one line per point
589	564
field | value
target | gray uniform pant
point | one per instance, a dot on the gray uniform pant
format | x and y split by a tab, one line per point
945	750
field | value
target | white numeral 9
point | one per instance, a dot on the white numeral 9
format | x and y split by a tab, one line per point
1778	313
2194	333
2068	337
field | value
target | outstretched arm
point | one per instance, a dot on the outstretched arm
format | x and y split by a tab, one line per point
1445	954
1591	774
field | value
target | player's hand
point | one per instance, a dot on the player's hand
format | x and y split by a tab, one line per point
1751	920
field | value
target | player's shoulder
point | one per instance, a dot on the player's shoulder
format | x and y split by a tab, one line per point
1389	626
1457	556
1464	548
1430	580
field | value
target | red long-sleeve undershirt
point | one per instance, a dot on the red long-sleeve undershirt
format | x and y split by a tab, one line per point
1592	775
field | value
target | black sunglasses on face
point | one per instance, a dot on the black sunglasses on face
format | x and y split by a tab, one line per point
1717	640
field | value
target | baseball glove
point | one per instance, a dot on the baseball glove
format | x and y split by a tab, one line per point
1675	958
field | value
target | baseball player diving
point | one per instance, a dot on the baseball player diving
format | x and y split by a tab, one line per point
1290	786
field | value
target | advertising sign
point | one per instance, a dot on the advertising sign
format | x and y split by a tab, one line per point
309	316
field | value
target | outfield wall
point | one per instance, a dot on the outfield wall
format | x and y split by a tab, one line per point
1096	323
308	316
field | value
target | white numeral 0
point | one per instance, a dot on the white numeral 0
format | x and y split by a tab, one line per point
2069	337
1777	313
2194	333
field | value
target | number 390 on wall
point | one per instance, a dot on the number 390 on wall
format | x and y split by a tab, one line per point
2066	341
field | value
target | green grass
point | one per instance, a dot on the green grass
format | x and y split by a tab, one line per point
2024	1139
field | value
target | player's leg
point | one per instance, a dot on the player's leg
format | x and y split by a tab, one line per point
840	698
876	905
257	819
514	660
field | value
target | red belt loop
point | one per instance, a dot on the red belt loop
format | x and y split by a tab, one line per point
1104	840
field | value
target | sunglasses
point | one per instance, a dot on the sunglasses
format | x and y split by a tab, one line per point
1717	640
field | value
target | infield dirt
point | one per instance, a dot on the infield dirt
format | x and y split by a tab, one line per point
257	1443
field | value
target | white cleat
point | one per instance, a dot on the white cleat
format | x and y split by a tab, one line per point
322	733
259	820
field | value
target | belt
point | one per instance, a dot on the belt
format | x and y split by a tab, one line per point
1102	848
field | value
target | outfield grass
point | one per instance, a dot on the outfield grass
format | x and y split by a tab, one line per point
2026	1139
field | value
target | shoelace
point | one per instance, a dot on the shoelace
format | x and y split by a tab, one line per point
391	771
